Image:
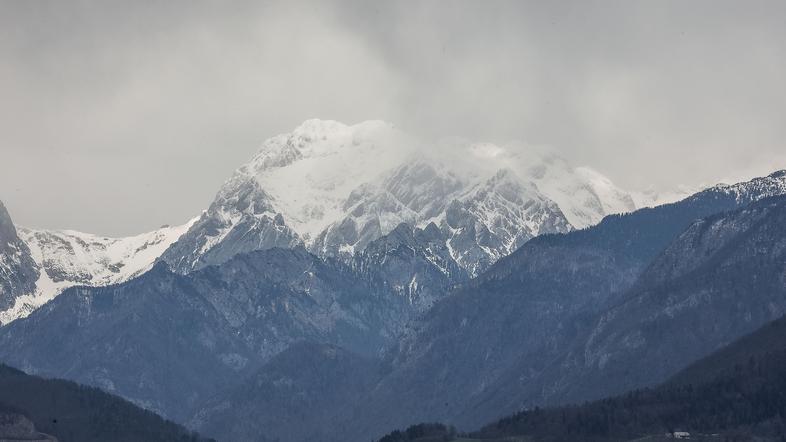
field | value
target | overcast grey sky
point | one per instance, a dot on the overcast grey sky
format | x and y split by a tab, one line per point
116	117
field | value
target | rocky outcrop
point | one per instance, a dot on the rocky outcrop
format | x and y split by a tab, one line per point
17	428
18	270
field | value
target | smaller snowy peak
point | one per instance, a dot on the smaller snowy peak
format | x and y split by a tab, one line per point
242	218
744	192
83	258
67	258
757	188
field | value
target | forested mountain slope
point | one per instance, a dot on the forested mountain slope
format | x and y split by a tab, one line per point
75	413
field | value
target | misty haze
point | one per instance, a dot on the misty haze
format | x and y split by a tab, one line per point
392	221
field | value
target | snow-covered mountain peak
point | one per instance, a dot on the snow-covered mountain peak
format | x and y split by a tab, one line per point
319	138
335	188
310	172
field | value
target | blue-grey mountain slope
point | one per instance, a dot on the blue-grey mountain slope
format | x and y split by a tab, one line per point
736	393
722	278
291	398
168	341
496	343
500	343
508	339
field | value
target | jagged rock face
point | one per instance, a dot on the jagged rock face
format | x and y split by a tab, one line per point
414	263
241	219
371	212
168	341
18	270
336	188
497	217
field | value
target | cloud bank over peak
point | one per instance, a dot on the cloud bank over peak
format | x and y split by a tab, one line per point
131	115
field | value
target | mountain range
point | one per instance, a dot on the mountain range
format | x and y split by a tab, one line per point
527	331
349	280
522	333
333	189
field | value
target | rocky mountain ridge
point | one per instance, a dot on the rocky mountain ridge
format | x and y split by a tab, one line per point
334	189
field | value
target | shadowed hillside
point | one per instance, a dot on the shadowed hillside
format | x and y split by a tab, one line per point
75	413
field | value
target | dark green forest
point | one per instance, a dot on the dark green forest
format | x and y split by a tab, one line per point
75	413
433	432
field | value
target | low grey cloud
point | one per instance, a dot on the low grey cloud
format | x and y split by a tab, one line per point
116	117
